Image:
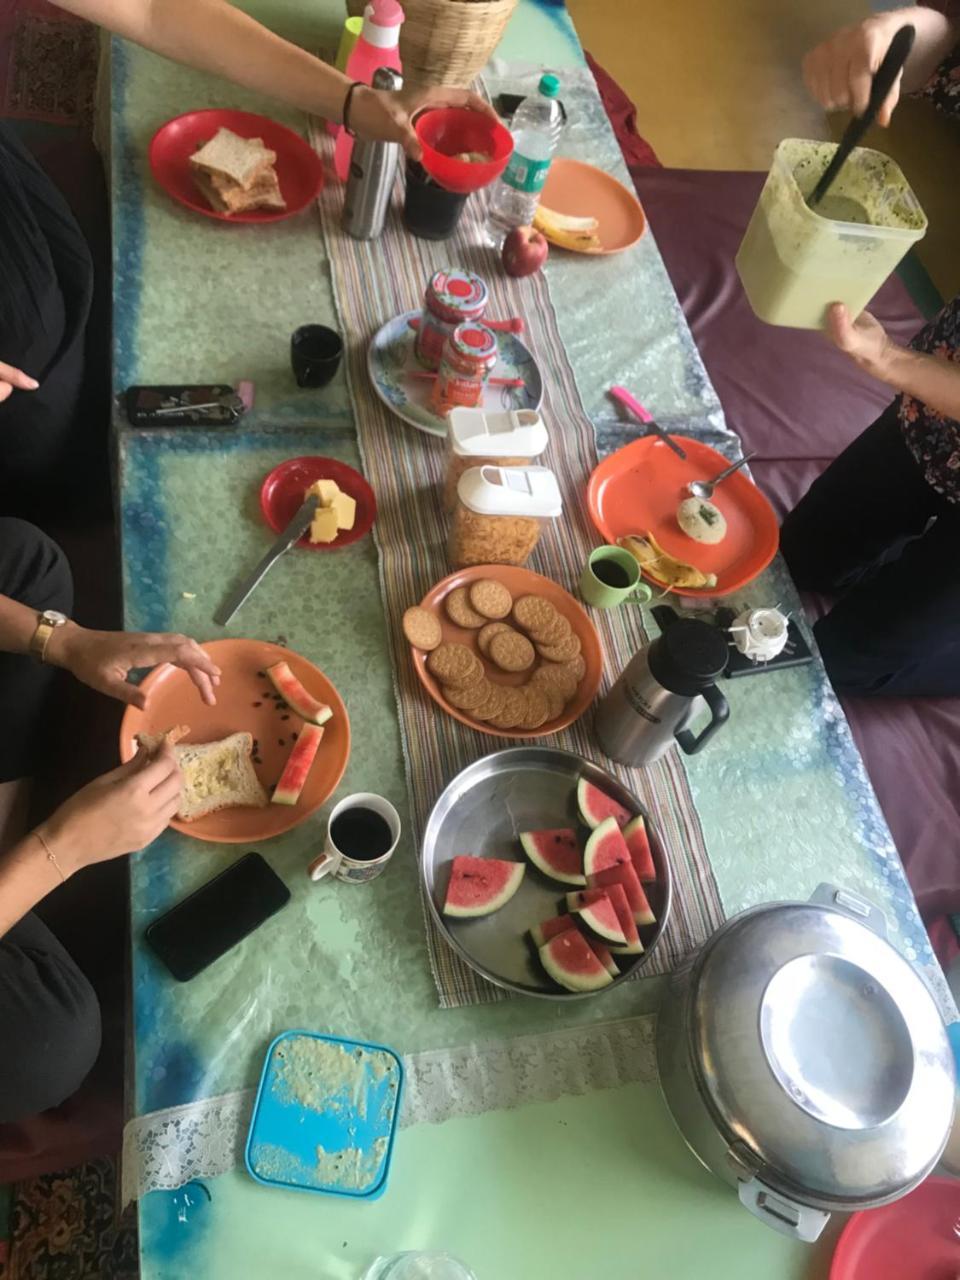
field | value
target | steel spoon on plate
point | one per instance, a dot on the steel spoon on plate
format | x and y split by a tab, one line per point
703	489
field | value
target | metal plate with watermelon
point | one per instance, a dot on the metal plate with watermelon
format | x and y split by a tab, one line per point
482	812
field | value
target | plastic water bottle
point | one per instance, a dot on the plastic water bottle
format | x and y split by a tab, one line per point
537	126
419	1266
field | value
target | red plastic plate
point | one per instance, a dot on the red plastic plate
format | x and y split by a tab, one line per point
911	1239
283	489
299	170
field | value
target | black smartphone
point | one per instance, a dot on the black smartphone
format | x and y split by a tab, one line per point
217	916
185	406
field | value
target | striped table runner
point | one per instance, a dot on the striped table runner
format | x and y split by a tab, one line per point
372	282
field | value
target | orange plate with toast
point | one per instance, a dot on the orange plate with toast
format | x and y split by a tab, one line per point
519	583
244	704
638	489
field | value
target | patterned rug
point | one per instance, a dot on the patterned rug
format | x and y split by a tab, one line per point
48	64
67	1226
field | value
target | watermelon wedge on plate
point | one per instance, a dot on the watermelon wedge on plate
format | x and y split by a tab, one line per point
556	853
638	842
624	874
596	806
616	895
572	963
541	934
480	886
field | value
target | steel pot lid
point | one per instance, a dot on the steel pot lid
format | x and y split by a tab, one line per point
821	1053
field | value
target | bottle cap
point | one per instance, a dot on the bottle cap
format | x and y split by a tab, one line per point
510	491
385	13
549	86
516	433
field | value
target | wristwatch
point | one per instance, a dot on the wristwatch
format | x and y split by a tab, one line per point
47	623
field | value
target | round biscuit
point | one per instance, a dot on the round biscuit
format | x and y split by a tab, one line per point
533	612
555	701
514	709
465	698
563	651
457	605
422	628
554	676
490	598
454	664
511	651
488	632
553	632
538	709
492	706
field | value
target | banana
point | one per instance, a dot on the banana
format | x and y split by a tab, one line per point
577	234
658	564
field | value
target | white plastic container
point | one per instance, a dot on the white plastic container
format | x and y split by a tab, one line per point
513	438
499	514
795	261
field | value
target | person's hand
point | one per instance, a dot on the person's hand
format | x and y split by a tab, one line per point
12	379
115	814
102	659
839	72
377	113
864	340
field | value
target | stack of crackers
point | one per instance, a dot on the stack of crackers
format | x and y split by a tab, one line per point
526	636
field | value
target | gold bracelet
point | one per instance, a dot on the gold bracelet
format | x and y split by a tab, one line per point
50	856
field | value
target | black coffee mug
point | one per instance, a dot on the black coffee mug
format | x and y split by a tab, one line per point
429	210
315	353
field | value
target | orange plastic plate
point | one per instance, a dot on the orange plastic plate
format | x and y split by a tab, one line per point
583	191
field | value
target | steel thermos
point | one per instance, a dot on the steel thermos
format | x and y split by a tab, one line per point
648	708
373	172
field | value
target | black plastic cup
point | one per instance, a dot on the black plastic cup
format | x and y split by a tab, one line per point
315	353
430	211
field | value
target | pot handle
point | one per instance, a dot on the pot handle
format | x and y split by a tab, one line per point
720	713
828	895
799	1221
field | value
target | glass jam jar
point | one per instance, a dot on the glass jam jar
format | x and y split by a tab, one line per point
469	355
450	298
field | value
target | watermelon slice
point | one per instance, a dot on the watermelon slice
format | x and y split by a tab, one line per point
617	896
605	848
624	874
555	853
638	842
299	763
572	963
479	886
600	920
295	695
541	934
595	805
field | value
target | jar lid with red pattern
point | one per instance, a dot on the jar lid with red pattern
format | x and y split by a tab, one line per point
472	343
456	295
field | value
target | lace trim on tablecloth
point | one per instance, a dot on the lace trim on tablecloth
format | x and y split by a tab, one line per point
166	1149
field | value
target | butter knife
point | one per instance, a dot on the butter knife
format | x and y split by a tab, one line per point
631	403
291	534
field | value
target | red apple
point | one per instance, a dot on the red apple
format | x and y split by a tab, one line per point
524	251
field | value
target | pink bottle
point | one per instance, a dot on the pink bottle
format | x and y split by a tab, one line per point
377	46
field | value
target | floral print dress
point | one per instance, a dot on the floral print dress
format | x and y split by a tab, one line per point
933	438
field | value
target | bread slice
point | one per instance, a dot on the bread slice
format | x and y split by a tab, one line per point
263	194
216	775
240	160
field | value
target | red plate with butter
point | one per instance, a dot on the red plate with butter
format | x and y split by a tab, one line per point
283	491
639	488
244	704
519	582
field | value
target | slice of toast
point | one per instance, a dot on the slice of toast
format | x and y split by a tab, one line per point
216	775
263	194
240	160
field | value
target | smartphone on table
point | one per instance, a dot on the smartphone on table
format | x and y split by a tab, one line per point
217	916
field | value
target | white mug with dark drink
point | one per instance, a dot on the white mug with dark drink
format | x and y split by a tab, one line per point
362	833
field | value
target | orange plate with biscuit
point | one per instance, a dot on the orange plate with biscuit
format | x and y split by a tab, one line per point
244	704
519	582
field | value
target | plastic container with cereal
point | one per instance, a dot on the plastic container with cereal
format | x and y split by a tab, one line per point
515	438
499	513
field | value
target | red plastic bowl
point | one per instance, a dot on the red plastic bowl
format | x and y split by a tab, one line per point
283	491
446	131
299	170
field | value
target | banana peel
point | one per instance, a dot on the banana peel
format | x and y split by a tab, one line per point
577	234
663	567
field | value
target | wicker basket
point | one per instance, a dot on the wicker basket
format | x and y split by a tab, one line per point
447	41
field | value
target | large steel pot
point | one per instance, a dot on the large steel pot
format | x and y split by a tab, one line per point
805	1062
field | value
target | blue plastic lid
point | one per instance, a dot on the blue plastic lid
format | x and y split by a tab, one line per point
549	86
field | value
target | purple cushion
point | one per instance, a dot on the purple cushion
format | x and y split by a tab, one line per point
798	401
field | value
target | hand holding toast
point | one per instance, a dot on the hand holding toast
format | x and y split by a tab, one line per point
117	813
103	659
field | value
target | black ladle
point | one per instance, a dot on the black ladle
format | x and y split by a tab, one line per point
887	72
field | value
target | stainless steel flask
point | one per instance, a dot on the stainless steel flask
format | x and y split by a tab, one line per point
650	705
373	172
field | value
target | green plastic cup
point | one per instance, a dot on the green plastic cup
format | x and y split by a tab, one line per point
610	576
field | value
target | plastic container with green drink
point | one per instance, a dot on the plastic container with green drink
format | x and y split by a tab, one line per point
795	261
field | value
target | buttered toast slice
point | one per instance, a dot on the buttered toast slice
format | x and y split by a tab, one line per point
216	775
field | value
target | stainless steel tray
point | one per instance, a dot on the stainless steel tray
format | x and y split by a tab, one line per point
482	812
